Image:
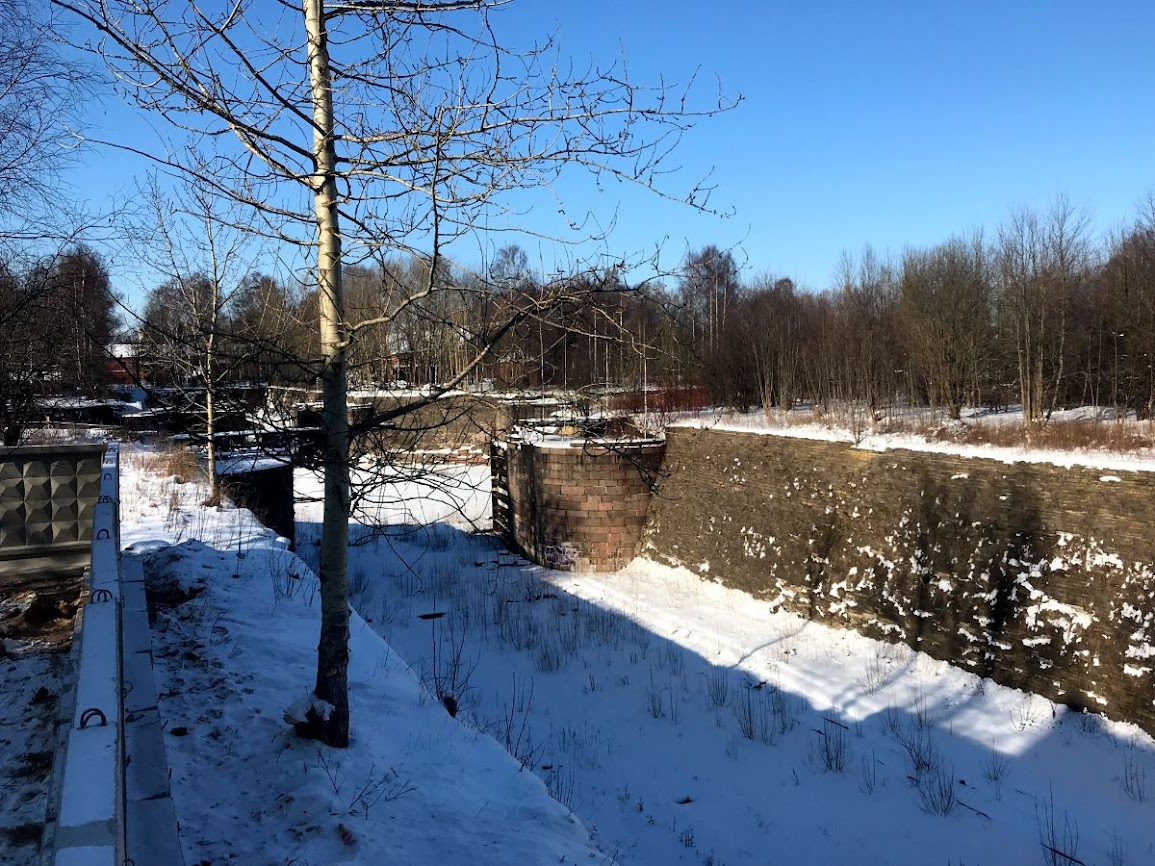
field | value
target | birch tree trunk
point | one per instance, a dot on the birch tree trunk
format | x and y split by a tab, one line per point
333	645
211	367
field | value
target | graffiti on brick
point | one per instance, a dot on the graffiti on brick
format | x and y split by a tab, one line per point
559	555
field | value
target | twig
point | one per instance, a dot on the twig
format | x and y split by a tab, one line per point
1064	855
973	809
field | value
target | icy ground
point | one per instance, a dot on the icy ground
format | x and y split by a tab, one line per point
672	720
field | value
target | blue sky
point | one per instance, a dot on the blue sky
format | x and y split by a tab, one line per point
888	123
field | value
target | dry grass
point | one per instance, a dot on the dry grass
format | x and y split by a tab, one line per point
1108	435
176	463
1075	435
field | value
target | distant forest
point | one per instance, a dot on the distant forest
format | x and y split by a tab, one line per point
1037	313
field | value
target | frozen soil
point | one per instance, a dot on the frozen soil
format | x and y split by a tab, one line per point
31	686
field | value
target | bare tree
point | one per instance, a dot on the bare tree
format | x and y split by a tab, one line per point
1125	315
708	289
79	288
39	92
39	89
203	247
269	321
23	368
861	351
55	318
946	305
1043	262
773	328
402	123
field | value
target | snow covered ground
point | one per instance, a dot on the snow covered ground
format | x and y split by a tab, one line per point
672	720
30	686
684	723
235	645
900	429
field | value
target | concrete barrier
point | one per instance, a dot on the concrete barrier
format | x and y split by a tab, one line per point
113	803
48	496
89	821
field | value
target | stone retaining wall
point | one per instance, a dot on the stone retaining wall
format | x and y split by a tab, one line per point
1040	577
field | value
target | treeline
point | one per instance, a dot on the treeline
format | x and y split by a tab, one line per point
408	324
1038	313
57	316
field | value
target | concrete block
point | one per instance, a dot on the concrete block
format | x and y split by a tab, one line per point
146	769
139	686
90	787
86	855
152	833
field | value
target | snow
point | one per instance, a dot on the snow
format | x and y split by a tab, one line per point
859	434
548	437
416	786
31	691
76	403
684	722
126	350
242	462
384	393
673	720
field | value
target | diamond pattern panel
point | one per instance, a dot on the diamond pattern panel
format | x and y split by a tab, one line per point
64	520
12	526
38	502
11	505
11	474
87	492
47	495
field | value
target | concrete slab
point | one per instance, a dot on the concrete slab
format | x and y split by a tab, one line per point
139	687
88	855
135	635
146	770
152	833
133	599
98	679
90	784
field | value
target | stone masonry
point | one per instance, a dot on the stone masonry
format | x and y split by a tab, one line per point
1040	577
